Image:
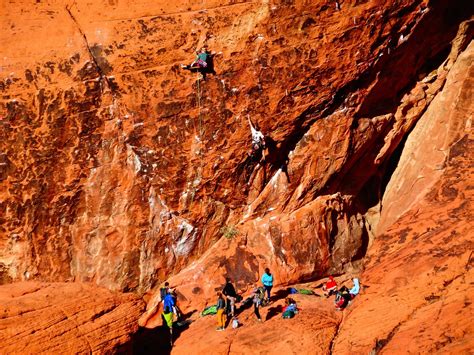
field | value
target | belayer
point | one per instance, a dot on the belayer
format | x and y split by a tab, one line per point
231	295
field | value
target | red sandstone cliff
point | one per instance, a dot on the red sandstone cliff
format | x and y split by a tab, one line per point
118	168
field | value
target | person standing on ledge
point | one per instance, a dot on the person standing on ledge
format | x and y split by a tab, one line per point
221	317
168	319
229	292
267	281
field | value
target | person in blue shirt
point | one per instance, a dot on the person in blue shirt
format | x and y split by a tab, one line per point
168	301
267	281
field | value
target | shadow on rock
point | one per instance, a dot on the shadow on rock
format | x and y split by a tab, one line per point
273	311
154	341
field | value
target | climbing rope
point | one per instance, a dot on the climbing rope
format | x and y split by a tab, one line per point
199	104
201	164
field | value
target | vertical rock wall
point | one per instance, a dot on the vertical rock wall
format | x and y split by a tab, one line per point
119	168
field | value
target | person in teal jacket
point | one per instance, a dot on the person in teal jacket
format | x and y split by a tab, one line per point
355	289
267	281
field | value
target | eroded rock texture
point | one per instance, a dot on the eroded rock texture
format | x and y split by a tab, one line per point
65	318
121	169
415	295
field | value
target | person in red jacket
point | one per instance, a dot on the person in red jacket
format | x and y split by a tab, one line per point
330	287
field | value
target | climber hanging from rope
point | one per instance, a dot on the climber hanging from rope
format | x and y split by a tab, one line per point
203	63
258	141
257	152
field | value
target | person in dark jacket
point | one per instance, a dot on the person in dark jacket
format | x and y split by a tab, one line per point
221	317
231	295
164	290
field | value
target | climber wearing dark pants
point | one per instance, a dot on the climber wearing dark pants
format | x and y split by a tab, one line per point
258	139
202	64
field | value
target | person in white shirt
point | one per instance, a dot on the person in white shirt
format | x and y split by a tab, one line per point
258	139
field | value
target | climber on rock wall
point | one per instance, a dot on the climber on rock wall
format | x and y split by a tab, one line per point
258	139
164	291
203	63
170	302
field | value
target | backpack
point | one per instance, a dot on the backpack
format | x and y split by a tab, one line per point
261	294
288	314
305	292
235	323
209	310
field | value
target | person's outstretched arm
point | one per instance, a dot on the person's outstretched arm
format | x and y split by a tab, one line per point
250	122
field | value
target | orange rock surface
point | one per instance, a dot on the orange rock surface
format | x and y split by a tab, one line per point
417	273
65	318
140	167
120	169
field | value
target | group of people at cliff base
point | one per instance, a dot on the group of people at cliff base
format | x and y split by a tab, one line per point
228	298
343	296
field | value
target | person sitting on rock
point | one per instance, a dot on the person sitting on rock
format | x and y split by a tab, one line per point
221	316
231	294
354	291
330	287
344	297
290	309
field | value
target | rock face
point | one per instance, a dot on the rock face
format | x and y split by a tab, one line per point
419	271
121	169
415	294
65	318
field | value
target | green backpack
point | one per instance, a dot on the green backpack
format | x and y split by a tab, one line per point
209	310
288	314
305	292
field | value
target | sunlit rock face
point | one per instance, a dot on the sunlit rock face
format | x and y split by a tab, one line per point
119	168
39	317
417	274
